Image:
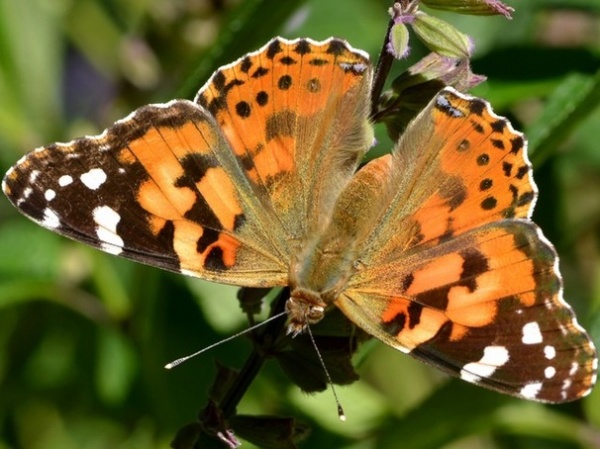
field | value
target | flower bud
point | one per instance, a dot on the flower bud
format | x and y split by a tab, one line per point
398	41
473	7
441	37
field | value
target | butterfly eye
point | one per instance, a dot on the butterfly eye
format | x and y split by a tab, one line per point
315	314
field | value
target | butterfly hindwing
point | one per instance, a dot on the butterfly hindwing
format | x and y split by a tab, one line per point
485	306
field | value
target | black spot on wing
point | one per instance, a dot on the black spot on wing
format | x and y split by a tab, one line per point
395	325
522	171
336	47
517	144
414	314
246	64
483	159
486	184
302	47
214	260
209	236
260	72
274	49
474	264
464	145
201	100
497	143
239	221
477	127
202	213
242	109
218	80
525	198
498	126
436	297
216	104
195	166
262	98
285	82
287	60
477	106
318	62
489	203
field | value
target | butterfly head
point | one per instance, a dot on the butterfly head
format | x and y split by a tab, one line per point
305	307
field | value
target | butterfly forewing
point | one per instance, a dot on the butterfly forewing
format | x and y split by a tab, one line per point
156	187
292	112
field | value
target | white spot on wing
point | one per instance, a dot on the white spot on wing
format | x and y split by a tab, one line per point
107	220
93	178
50	219
65	180
549	372
356	68
49	194
402	349
33	176
574	368
530	391
443	102
493	358
26	194
549	352
532	334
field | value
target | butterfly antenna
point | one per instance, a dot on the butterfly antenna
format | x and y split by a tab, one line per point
340	410
179	361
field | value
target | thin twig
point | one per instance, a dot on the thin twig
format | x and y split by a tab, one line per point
254	363
384	65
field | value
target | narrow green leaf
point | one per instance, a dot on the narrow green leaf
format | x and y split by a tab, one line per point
570	104
116	366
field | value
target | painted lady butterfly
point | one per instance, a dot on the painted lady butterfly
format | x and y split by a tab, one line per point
430	248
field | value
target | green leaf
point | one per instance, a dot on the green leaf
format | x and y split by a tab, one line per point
569	105
28	250
116	366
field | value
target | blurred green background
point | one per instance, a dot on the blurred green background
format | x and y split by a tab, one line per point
84	336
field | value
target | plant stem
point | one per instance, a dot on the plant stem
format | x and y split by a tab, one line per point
384	64
254	363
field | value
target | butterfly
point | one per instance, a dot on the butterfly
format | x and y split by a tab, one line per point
430	248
